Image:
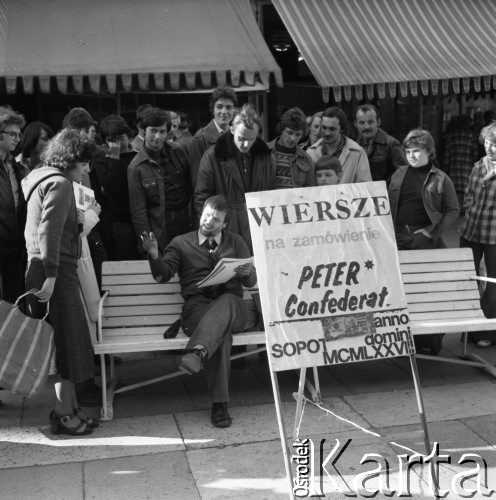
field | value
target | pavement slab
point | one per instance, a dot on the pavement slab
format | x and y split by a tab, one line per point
484	426
247	472
52	482
28	446
161	476
446	402
259	423
455	440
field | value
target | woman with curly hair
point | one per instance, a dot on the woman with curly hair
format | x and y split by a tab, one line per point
54	244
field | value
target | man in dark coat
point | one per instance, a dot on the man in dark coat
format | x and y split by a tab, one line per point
238	163
12	207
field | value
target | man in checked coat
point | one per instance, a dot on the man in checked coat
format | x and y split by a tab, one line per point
478	228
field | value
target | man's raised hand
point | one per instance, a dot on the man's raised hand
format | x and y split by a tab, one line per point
150	245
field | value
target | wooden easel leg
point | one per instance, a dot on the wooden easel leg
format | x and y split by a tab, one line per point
299	402
420	404
317	399
282	431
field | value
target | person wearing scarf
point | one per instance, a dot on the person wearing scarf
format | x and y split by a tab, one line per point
334	142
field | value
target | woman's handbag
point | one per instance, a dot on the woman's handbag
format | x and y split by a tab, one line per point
26	347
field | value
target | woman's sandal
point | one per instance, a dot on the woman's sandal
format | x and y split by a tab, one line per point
483	343
58	425
92	422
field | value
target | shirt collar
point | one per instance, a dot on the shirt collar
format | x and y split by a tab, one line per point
218	128
202	238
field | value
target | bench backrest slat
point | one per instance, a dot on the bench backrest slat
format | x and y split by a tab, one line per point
415	267
126	267
437	277
130	300
472	307
438	255
151	289
446	296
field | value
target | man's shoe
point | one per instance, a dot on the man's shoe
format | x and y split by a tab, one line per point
193	361
220	416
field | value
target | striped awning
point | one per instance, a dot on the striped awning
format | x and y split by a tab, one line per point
399	46
125	45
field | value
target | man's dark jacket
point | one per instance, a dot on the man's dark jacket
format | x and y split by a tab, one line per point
12	222
219	174
147	189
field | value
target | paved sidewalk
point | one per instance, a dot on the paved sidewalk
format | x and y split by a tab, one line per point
161	444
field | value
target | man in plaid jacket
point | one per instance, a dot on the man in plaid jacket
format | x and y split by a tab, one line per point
478	229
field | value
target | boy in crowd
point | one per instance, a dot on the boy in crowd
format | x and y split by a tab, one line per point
328	171
293	167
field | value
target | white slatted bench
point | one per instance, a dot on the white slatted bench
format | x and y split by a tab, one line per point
443	297
133	315
135	311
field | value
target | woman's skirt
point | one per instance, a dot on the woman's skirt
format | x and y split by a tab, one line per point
74	351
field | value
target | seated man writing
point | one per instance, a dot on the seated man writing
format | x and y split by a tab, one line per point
212	314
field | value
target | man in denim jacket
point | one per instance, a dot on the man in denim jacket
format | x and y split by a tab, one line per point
293	167
159	183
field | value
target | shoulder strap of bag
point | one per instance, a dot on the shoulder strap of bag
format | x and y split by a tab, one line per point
31	191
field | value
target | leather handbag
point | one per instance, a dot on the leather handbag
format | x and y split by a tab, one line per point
26	348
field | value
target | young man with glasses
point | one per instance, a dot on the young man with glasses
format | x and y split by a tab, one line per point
12	207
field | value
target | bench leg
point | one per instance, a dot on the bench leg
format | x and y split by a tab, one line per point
112	366
108	389
483	363
463	352
470	356
103	371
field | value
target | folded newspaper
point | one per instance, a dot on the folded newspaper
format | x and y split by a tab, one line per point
223	271
84	196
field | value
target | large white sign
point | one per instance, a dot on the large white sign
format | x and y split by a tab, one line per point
328	275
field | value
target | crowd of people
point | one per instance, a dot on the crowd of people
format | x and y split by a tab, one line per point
177	199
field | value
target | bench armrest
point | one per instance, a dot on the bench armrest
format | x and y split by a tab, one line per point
99	333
